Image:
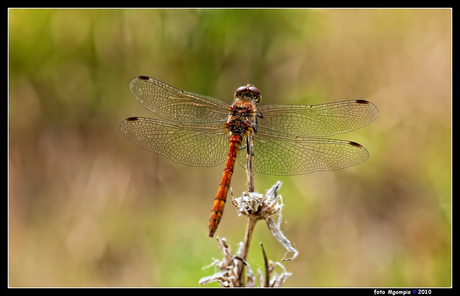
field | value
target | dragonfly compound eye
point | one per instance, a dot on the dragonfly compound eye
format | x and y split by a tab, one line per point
255	90
240	90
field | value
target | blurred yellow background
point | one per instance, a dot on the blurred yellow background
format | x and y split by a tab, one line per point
89	208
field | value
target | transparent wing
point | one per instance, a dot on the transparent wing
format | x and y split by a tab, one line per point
173	104
283	156
203	145
316	120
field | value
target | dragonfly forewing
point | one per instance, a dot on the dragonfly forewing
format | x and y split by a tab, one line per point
320	120
173	104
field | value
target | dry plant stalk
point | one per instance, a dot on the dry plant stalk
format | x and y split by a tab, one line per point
252	220
256	207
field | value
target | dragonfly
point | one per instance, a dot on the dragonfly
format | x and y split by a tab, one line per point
202	131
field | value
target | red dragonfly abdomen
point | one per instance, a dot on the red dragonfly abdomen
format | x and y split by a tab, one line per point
221	197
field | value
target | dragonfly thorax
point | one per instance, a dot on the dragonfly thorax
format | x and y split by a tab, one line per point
241	118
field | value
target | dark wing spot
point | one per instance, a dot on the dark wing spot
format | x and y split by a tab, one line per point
132	119
362	102
355	144
143	77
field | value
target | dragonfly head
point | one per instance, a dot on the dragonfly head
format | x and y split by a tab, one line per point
248	91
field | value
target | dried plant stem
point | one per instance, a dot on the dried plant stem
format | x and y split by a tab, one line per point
250	164
252	219
247	241
267	269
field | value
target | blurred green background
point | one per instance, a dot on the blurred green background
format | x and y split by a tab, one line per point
89	208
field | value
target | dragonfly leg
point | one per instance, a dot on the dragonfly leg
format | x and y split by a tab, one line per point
247	148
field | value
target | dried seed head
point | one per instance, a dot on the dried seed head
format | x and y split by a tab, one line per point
229	271
259	205
263	207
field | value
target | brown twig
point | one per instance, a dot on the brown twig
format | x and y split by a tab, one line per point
250	163
251	218
267	269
